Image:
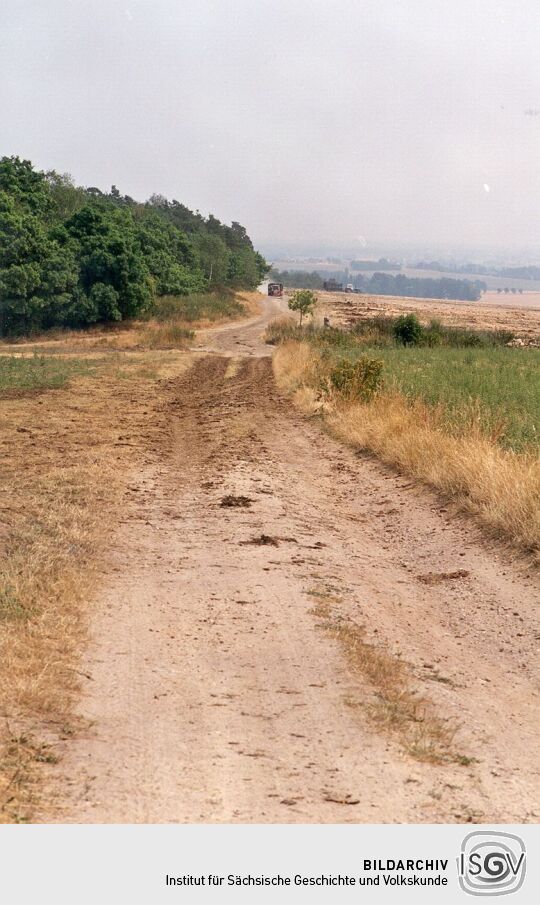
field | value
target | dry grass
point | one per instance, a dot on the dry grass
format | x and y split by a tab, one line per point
166	336
501	488
66	458
394	706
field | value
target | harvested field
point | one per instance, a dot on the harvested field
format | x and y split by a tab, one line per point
345	309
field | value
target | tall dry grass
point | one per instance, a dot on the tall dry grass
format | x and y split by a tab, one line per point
501	488
66	458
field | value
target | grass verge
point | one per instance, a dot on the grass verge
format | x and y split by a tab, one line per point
65	462
456	448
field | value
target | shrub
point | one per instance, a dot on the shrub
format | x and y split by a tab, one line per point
280	331
197	306
433	334
357	379
408	330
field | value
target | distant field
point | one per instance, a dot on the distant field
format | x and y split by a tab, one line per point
525	300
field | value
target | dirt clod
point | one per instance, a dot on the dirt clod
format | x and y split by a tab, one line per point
437	577
230	501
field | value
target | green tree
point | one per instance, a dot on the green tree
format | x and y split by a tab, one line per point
304	301
213	256
408	330
28	188
37	275
66	198
72	256
169	255
243	270
110	255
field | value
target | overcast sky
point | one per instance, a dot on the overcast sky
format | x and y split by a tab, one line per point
309	121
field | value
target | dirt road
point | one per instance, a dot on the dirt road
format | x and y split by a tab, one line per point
215	691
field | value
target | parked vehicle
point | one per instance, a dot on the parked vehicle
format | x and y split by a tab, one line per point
349	287
333	286
275	289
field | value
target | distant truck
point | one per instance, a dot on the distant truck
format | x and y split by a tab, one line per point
332	286
275	289
349	287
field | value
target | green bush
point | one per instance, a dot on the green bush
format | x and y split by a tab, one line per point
358	379
408	330
433	334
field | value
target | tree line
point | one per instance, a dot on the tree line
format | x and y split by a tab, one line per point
382	264
524	272
419	287
387	284
73	256
297	279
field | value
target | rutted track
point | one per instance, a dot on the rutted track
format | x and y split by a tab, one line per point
215	694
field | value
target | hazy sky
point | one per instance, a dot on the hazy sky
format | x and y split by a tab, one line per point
307	120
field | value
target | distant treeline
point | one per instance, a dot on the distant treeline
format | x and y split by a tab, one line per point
387	284
527	272
72	256
418	287
381	264
297	279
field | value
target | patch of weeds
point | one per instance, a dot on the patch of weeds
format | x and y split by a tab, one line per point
11	609
263	540
40	372
464	761
358	379
18	756
198	306
395	706
167	336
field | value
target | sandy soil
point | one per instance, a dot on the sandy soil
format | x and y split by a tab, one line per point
214	694
344	309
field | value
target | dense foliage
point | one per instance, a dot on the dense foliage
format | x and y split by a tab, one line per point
73	256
